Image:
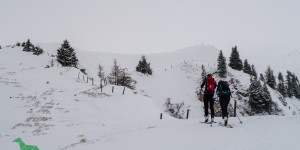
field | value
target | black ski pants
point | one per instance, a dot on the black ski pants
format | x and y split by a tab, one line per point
224	101
208	98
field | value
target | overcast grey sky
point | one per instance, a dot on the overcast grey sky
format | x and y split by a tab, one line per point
146	26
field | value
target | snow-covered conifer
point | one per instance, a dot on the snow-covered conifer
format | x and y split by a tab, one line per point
234	61
100	72
144	66
66	55
23	44
124	79
247	67
113	76
259	97
29	47
270	78
262	78
222	66
280	86
38	50
253	72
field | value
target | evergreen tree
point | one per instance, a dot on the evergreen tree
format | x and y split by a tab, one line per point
298	91
115	71
270	78
66	55
289	84
222	66
23	44
18	44
100	72
247	67
267	99
295	86
38	50
234	61
120	76
203	73
255	96
125	79
262	78
29	47
280	86
259	97
253	71
144	66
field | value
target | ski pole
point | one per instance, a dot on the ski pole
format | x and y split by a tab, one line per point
237	116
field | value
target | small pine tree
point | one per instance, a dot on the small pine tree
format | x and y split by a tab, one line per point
66	55
124	79
120	76
29	47
259	97
262	78
100	72
222	66
265	94
289	84
144	66
295	86
23	44
247	67
18	44
270	78
203	73
234	61
280	86
38	51
253	71
254	95
113	76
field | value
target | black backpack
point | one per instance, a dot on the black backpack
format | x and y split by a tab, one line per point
224	88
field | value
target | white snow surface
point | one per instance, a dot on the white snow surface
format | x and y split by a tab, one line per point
53	109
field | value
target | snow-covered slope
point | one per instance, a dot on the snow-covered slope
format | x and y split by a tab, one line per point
52	108
280	58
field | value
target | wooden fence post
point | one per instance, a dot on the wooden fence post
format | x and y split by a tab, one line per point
112	89
92	81
161	116
124	90
234	113
87	79
187	114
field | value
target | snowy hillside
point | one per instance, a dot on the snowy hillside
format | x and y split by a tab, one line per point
52	108
280	58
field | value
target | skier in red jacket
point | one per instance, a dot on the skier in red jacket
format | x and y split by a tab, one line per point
210	86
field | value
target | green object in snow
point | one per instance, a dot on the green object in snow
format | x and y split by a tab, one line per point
23	146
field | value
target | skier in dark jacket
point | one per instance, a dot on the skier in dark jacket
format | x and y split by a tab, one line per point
210	86
224	94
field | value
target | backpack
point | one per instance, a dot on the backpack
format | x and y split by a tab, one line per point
210	86
224	88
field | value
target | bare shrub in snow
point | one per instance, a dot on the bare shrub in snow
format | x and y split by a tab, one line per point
176	110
